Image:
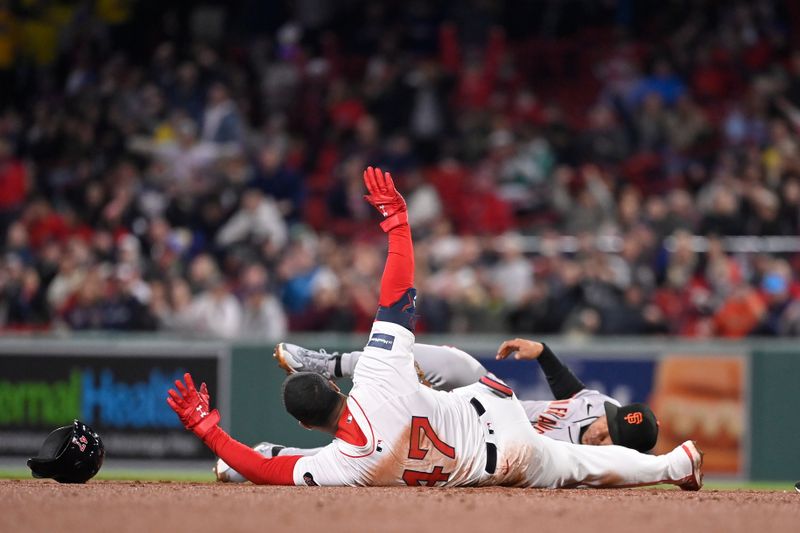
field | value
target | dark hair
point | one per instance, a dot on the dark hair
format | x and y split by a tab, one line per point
310	398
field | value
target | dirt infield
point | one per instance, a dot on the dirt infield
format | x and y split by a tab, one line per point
150	507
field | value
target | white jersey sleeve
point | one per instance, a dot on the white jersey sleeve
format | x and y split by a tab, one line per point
387	362
565	419
327	468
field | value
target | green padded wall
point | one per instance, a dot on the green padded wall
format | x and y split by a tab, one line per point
774	415
256	410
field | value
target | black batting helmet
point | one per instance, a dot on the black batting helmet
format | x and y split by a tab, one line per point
69	454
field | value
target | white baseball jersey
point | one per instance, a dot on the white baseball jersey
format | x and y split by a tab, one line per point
564	419
404	433
412	435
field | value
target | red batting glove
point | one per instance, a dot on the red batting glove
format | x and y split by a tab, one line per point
192	407
385	198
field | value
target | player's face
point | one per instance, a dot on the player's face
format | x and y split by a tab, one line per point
597	433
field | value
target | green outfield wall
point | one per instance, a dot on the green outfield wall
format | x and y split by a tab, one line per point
739	398
775	412
257	413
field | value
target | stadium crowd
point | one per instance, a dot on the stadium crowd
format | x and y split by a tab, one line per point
197	168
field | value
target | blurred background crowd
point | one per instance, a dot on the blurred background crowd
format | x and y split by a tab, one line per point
570	166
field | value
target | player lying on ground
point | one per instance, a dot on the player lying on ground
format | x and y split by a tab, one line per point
391	430
577	414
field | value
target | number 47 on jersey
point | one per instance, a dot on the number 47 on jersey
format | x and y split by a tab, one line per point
421	428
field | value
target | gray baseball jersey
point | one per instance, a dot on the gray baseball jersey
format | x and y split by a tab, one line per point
564	419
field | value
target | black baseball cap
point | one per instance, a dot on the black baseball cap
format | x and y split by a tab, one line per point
633	426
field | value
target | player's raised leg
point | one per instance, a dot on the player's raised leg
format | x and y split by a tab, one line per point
445	367
293	358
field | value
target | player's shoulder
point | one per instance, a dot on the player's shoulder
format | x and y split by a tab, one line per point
594	396
327	467
324	458
355	437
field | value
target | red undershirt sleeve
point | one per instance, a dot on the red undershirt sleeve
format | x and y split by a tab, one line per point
398	275
248	462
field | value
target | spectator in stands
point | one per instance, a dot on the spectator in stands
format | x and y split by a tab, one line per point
276	180
16	243
221	121
263	316
13	185
163	177
186	158
738	308
723	215
776	288
258	219
605	140
424	205
652	123
215	311
632	315
687	127
301	277
512	276
26	304
582	206
72	269
664	82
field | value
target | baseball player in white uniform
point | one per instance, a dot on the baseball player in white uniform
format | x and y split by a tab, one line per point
578	414
392	430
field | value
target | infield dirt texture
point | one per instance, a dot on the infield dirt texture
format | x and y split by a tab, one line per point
148	507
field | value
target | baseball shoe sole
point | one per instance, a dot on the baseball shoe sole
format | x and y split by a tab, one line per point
293	358
282	357
695	480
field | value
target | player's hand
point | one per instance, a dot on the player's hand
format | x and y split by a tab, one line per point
525	349
385	198
193	406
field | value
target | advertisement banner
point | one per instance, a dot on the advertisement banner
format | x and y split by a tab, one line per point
122	397
695	396
702	397
628	379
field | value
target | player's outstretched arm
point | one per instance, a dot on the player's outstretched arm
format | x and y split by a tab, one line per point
563	383
397	297
193	409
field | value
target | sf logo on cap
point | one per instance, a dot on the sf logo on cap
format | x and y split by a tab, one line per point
634	418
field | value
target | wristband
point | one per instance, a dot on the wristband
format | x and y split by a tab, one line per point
398	219
204	426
